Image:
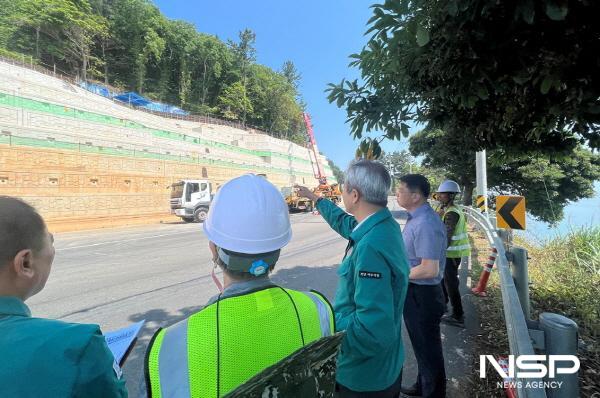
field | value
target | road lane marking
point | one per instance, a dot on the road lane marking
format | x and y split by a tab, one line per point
135	239
124	240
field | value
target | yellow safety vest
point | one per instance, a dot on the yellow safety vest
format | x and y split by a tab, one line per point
226	343
459	245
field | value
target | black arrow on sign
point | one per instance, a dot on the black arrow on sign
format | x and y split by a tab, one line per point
506	212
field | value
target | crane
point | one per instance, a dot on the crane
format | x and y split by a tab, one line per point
312	149
332	191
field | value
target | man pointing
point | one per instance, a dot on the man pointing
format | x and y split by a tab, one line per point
373	279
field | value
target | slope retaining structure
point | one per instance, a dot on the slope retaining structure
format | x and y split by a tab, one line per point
85	161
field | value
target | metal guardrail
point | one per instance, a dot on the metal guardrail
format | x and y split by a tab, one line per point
519	339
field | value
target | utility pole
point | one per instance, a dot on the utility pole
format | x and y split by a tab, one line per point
481	172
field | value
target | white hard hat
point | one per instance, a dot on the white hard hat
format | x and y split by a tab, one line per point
449	186
248	215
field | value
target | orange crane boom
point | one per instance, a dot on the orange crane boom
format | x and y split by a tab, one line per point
332	191
312	147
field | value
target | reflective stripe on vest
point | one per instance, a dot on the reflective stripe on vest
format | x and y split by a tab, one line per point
173	362
459	236
256	330
324	316
459	247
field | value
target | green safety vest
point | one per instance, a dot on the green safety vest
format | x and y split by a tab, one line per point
226	343
459	245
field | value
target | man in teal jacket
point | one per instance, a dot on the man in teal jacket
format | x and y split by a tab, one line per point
43	357
373	280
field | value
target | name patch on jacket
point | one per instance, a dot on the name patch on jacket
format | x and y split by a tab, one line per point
369	274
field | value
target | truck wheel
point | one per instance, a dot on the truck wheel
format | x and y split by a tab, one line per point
188	219
200	214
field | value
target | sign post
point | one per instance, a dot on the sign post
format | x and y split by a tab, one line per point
481	173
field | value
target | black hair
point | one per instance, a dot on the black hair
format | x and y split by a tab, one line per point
417	182
21	227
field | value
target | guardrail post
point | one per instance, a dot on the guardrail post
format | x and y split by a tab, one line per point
520	274
561	339
503	235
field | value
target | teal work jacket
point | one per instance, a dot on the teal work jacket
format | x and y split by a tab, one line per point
50	358
373	280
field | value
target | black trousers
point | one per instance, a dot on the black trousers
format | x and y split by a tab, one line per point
423	310
450	285
392	391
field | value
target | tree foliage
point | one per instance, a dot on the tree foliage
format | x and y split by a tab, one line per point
493	74
403	162
515	77
549	182
130	45
337	172
67	28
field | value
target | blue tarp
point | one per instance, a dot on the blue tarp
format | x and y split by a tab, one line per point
97	89
133	99
142	102
158	107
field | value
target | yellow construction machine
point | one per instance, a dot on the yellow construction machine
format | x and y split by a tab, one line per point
295	202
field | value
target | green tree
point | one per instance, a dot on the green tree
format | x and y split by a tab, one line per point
234	102
245	54
210	61
138	28
444	152
132	46
291	74
399	162
171	80
510	74
548	182
274	102
63	30
403	162
337	172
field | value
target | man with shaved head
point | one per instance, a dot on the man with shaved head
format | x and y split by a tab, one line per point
43	357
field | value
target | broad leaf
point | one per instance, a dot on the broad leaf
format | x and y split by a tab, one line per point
422	36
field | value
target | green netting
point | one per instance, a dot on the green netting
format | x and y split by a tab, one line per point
64	111
104	150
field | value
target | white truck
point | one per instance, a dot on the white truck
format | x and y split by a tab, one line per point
190	199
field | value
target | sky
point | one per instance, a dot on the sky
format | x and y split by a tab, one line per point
317	36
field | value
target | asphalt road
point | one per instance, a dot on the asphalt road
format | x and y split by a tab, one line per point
161	273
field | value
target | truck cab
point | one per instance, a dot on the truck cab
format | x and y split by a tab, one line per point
190	199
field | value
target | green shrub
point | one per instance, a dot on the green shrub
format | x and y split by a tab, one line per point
565	276
17	56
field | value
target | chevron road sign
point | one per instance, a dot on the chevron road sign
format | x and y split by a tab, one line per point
510	211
